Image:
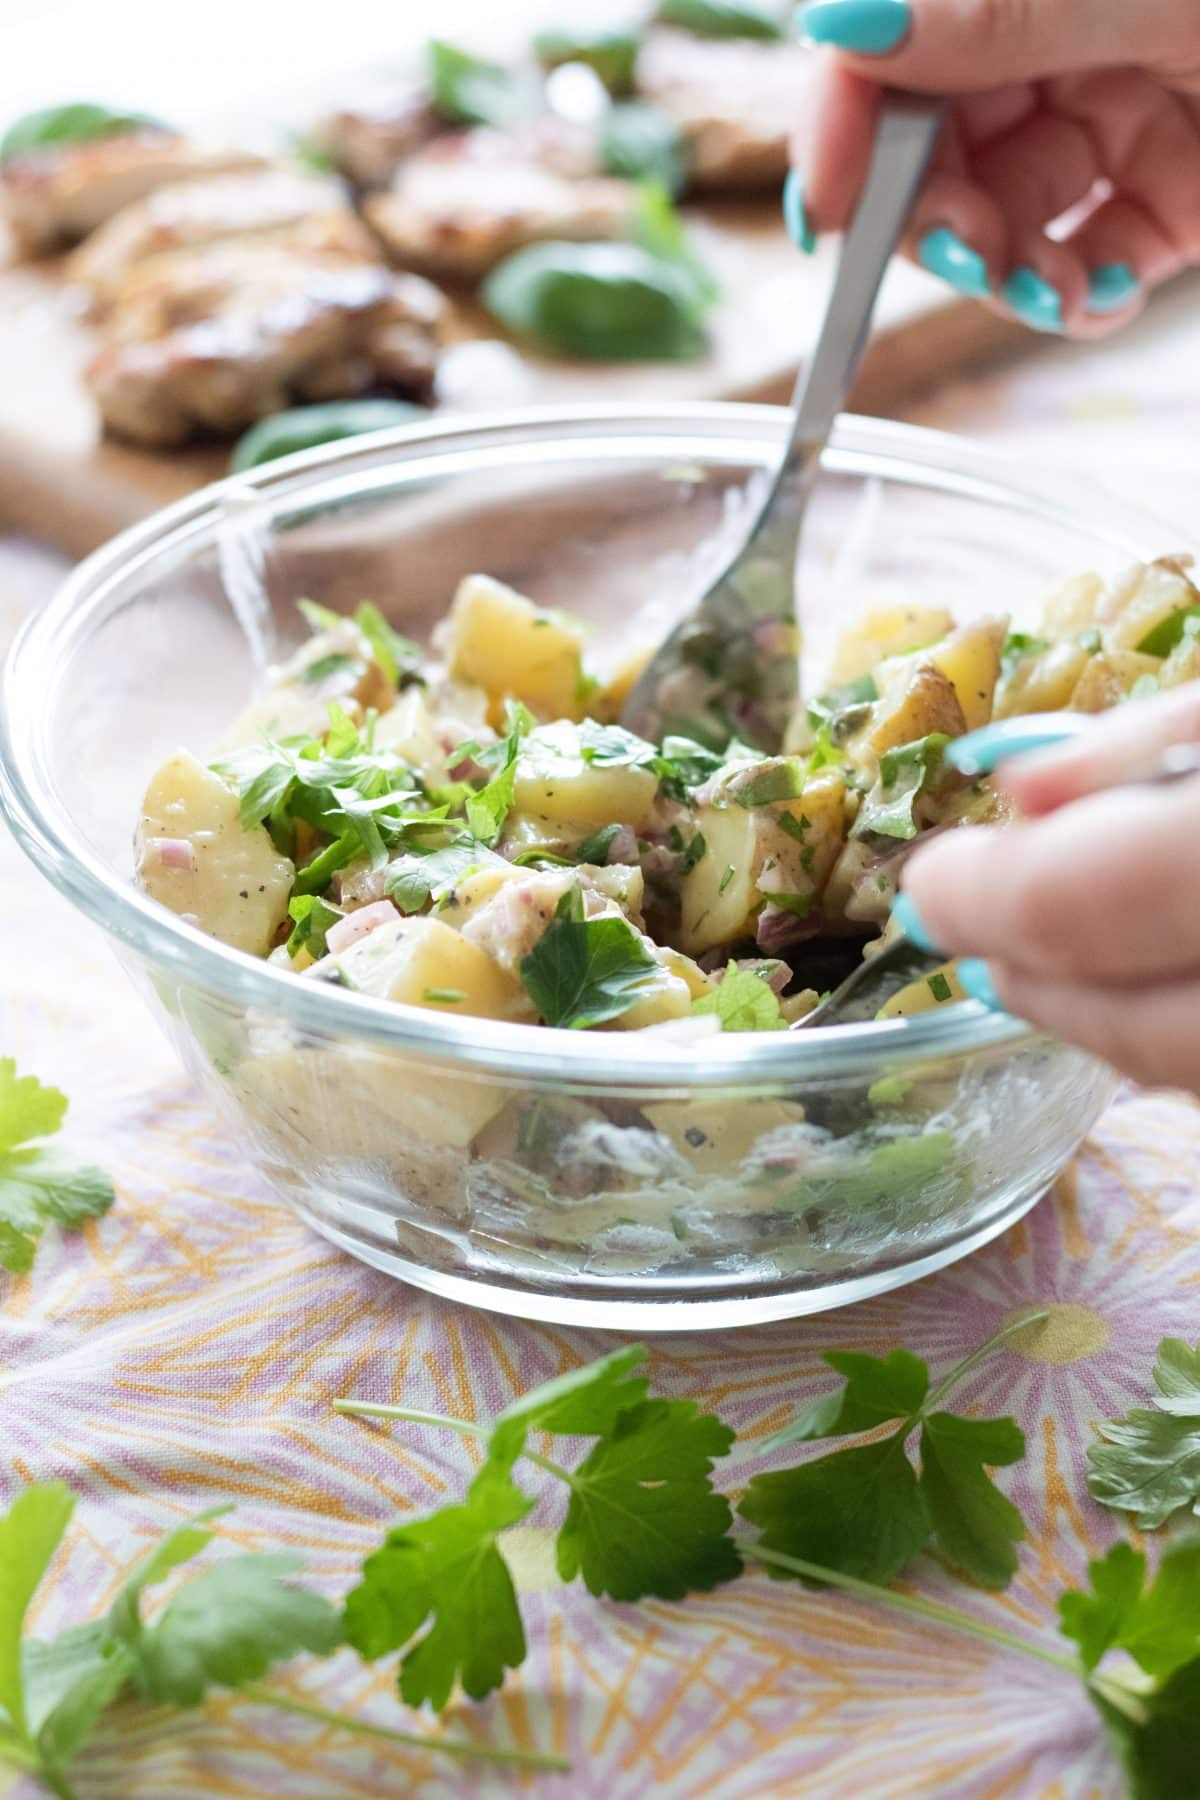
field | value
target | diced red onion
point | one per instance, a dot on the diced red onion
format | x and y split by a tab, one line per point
174	853
358	924
779	930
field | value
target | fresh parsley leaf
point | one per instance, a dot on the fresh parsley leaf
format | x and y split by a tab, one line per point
37	1185
859	1511
30	1532
445	1572
611	746
1149	1462
799	905
1170	632
179	1546
68	1684
488	809
312	917
595	849
904	775
1095	1620
876	1390
897	1511
399	659
1158	1625
323	666
742	1002
319	618
642	1518
682	765
228	1624
1016	647
975	1523
413	881
1157	1737
781	779
583	972
585	1402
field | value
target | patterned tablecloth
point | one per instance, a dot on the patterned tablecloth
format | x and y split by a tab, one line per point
185	1350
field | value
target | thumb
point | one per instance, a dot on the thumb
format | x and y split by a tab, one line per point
963	46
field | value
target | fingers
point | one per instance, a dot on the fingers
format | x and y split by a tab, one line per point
1152	1036
1105	892
1120	746
963	46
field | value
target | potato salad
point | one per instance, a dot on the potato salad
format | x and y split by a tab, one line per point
470	831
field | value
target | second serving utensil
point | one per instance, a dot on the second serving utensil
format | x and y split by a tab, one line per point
731	668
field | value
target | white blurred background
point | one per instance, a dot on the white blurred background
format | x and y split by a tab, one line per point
222	56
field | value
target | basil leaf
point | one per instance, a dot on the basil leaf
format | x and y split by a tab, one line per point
723	18
305	427
601	302
468	90
612	55
640	142
81	122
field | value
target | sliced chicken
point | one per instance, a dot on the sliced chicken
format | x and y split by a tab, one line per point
736	102
304	212
55	197
469	200
208	341
368	141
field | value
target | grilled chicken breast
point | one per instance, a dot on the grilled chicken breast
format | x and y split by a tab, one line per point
469	200
207	341
368	141
55	197
736	103
263	205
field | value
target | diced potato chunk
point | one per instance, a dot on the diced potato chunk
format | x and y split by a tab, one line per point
939	988
475	891
1072	605
717	1135
665	996
610	701
927	702
554	783
1042	682
408	729
422	962
235	886
504	644
698	983
971	660
1182	665
887	631
1109	677
718	895
1161	591
285	712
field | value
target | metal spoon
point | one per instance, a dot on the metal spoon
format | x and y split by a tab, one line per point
869	987
731	668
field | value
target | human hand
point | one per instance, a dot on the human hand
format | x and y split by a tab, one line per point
1062	104
1088	914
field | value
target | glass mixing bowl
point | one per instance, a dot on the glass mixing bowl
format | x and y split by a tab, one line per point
615	1179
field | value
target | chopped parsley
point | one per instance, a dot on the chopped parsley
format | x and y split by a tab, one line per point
904	775
727	877
939	987
38	1186
743	1001
324	666
414	880
782	779
444	996
1017	646
399	659
313	918
797	828
595	849
1170	632
611	746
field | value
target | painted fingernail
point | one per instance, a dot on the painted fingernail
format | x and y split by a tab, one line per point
1110	287
975	979
1033	300
794	215
904	911
871	27
943	253
979	752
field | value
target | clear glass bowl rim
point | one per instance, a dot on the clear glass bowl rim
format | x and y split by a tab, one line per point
549	1057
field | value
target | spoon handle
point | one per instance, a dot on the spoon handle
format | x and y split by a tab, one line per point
908	129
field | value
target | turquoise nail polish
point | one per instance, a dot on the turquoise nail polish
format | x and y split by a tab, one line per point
904	911
1110	287
943	253
980	751
794	215
974	979
868	26
1033	300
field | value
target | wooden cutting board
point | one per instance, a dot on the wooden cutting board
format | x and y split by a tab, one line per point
62	481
